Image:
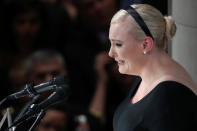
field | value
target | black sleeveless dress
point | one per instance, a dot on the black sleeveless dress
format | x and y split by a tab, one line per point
170	106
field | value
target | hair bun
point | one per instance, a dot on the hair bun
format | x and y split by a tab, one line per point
170	27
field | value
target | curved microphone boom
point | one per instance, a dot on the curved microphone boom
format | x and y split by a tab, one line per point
50	85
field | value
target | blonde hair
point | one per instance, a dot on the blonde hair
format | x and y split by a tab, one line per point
162	28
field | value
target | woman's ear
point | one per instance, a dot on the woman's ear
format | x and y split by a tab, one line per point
147	44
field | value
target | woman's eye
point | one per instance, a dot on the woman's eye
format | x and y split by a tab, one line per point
118	44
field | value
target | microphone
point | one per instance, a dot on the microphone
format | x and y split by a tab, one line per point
60	94
32	91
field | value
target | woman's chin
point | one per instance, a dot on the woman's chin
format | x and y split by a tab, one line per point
126	72
122	71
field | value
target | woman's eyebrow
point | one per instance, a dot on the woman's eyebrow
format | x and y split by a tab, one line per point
115	40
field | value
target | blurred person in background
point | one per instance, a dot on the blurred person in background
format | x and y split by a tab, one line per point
23	32
40	67
29	25
56	118
89	37
43	65
111	88
25	26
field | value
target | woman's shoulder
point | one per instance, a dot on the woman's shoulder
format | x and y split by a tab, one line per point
169	98
178	73
174	87
170	93
172	105
180	80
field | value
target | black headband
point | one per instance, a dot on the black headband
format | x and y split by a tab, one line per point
139	20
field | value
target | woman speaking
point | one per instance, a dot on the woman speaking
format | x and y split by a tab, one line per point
163	97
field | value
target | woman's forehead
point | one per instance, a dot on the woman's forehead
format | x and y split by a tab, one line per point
119	30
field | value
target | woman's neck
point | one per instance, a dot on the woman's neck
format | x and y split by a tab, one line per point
156	65
152	73
160	67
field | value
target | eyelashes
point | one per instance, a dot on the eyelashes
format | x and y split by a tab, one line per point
118	44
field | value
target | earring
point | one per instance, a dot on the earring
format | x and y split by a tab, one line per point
144	52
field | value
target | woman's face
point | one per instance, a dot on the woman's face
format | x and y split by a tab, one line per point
124	48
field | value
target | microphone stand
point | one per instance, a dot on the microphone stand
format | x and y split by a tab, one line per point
9	119
24	109
15	124
58	95
39	117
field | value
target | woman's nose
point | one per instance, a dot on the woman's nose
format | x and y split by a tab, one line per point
111	52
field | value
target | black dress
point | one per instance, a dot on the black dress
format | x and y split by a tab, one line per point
170	106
